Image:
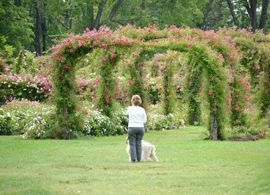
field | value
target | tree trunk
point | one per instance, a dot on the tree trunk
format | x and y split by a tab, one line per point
263	18
43	27
90	9
38	29
230	4
114	9
251	7
99	14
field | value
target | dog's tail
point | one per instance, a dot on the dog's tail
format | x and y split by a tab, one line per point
153	154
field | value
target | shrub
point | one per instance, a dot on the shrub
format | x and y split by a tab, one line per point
5	123
246	133
41	126
163	122
3	66
17	116
18	87
97	124
154	93
34	120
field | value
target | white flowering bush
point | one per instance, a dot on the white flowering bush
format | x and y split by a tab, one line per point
163	122
5	123
34	120
25	117
41	126
97	124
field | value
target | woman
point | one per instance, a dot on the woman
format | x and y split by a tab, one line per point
136	123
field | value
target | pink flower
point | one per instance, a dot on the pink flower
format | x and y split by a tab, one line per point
150	27
220	56
230	79
105	58
104	45
65	67
158	86
139	38
130	83
113	55
240	80
247	84
121	41
97	80
80	43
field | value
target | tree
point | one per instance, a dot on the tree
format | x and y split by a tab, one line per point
215	14
253	8
231	6
37	28
15	25
263	19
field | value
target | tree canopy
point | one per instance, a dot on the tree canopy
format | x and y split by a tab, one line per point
37	25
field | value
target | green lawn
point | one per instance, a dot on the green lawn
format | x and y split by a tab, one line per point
99	165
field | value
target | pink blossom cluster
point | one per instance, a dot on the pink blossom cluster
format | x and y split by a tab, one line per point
102	38
37	81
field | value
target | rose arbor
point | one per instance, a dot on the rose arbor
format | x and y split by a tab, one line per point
209	53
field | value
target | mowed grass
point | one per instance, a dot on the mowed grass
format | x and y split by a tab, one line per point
98	165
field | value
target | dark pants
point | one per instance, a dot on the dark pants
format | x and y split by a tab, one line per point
135	135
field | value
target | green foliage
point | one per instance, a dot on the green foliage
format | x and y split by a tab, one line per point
26	63
15	25
25	117
136	77
201	59
6	125
164	122
98	124
256	61
6	50
3	66
194	84
246	133
264	93
216	14
107	83
161	13
169	94
18	65
18	87
154	93
238	117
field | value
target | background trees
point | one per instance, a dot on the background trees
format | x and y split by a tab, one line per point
38	24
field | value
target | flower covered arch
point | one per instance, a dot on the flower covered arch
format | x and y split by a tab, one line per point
207	52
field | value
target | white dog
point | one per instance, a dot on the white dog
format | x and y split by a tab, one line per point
148	151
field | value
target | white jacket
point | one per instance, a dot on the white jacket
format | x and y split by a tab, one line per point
136	116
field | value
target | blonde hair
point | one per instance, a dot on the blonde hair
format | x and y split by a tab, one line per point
136	100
